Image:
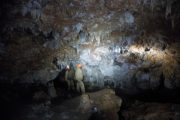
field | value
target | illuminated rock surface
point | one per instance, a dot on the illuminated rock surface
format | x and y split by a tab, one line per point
117	41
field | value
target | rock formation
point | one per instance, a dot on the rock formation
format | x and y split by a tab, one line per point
127	43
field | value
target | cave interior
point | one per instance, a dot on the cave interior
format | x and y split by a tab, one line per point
129	52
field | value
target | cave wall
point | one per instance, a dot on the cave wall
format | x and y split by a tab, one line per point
130	44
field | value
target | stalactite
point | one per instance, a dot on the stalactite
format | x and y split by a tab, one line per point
172	22
168	9
153	3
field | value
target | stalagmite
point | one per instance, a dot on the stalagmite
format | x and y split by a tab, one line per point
51	89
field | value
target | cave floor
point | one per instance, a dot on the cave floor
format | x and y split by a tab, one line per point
19	105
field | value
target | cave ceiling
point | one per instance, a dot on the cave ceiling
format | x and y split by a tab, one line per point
126	42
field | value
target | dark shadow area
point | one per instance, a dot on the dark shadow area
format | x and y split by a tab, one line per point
162	95
15	97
